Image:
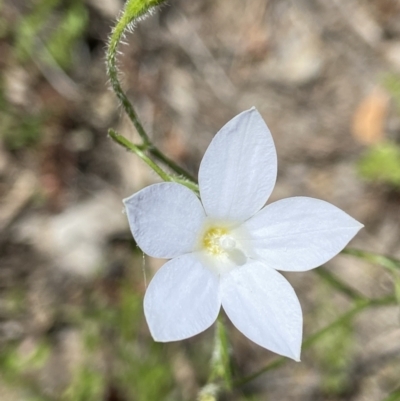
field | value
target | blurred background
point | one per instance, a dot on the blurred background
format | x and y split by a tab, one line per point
325	75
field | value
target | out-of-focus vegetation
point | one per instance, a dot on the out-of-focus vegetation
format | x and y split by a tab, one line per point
19	133
392	83
334	351
116	359
110	328
47	35
51	31
381	162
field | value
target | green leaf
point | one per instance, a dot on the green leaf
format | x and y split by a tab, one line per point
381	164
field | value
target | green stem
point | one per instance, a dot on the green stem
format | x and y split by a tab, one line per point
360	306
134	10
220	362
338	284
220	378
389	263
138	150
382	260
170	163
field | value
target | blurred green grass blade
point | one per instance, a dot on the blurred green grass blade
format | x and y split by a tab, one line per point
338	284
58	39
30	25
87	385
69	30
395	396
387	262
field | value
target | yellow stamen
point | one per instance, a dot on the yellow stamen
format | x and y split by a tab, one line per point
211	240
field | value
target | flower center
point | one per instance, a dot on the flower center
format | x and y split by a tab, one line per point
216	241
221	249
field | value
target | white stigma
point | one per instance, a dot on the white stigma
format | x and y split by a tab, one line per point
226	242
221	250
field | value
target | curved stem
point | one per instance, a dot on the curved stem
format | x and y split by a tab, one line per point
134	10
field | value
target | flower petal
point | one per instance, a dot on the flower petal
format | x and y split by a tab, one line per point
264	307
238	170
165	219
182	300
298	234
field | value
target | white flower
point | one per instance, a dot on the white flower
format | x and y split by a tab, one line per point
226	249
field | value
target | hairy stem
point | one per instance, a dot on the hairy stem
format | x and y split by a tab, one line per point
139	150
134	10
170	163
220	378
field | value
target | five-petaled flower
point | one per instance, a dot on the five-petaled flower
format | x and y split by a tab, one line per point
226	248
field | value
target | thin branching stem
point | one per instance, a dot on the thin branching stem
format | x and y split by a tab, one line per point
170	163
134	11
138	150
